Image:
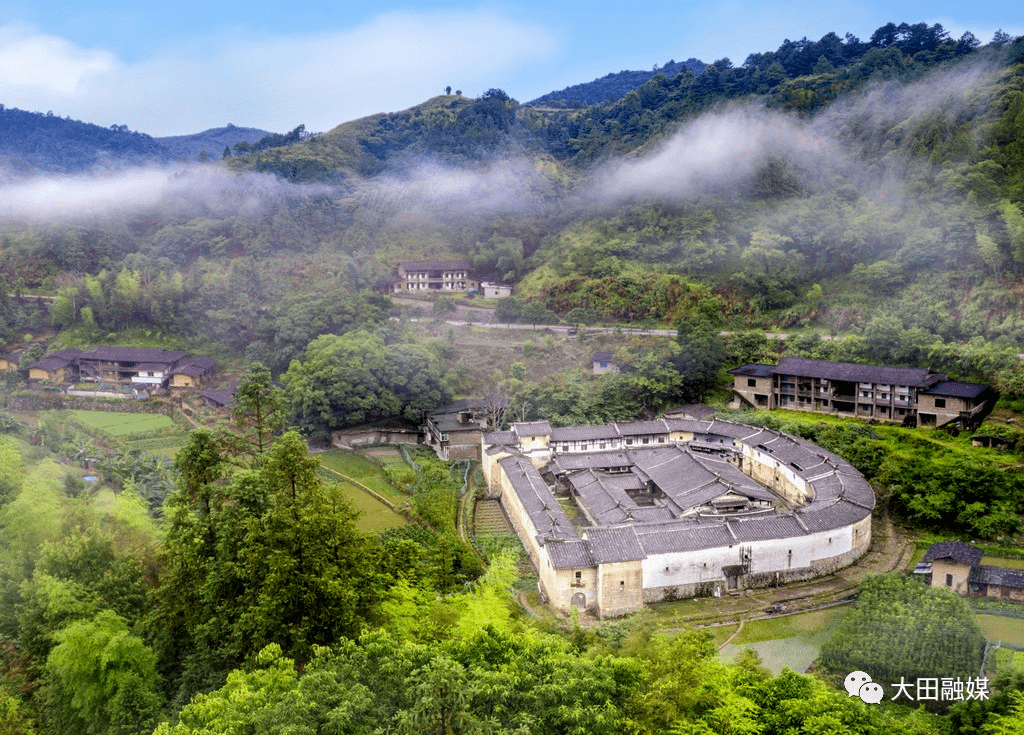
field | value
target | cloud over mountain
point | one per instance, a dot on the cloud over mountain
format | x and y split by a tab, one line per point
272	81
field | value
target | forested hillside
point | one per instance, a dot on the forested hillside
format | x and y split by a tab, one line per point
54	144
613	86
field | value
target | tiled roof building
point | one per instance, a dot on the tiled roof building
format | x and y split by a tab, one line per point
673	507
878	392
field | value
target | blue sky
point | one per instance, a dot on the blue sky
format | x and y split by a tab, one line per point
175	68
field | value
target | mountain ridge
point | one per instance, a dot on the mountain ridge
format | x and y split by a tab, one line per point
614	85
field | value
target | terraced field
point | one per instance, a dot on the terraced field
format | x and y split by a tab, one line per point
1006	660
490	518
374	515
118	423
361	469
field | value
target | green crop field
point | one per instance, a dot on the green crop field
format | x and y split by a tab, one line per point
166	446
1006	660
1008	630
374	515
118	423
362	470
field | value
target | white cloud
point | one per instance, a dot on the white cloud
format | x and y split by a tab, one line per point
275	82
42	64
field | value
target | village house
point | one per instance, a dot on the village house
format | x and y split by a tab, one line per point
957	566
59	367
144	369
603	362
9	362
190	375
673	508
426	276
878	392
454	431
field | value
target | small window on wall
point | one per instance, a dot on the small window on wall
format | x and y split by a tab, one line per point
940	403
949	580
579	576
622	585
751	383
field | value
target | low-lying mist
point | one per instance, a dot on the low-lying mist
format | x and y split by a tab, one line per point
187	190
723	150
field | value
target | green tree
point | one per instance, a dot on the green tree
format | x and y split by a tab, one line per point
100	679
444	305
310	572
901	628
272	555
258	408
357	377
701	355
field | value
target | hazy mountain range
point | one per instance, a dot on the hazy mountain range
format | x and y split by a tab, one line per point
45	142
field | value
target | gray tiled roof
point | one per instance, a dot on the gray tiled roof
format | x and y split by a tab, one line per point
195	367
609	545
956	389
583	433
500	437
829	516
884	374
958	551
605	459
108	353
532	428
540	505
570	554
51	363
1001	576
754	370
434	265
688	538
639	428
766	526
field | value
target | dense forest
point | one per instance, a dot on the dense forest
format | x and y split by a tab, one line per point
864	196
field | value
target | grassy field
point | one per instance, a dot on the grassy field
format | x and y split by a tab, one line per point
792	641
1008	630
998	561
118	423
362	470
374	515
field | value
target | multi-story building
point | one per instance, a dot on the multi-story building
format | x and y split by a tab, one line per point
142	368
879	392
424	276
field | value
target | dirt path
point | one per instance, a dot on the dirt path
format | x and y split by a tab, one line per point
739	629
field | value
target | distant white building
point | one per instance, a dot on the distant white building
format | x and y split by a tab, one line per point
495	290
424	276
